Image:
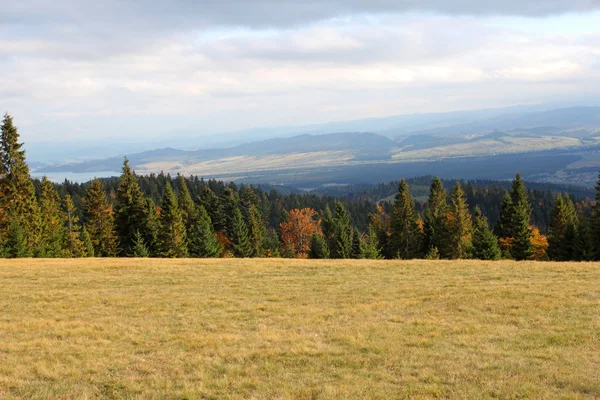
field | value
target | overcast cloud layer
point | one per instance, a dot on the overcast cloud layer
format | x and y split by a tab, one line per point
105	70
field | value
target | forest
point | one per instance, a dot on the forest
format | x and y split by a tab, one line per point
165	216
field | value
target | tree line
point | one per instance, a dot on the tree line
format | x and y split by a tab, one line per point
161	216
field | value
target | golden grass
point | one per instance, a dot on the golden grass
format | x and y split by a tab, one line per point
287	329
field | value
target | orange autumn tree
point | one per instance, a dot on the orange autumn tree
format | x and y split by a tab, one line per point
297	233
539	245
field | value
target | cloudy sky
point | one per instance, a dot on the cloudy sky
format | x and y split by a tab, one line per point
104	70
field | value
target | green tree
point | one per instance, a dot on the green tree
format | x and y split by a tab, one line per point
370	246
240	241
172	236
520	222
74	247
52	222
583	245
186	204
140	250
405	232
257	231
16	246
18	204
342	233
319	249
357	248
485	243
563	228
228	202
595	224
131	213
99	221
210	201
460	226
203	241
434	223
88	246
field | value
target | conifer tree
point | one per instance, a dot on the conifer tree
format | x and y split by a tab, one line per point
370	246
583	245
563	228
405	232
379	222
203	241
356	252
240	241
152	228
272	243
521	215
595	228
52	222
485	243
257	231
74	246
503	228
18	204
228	202
186	204
100	222
342	233
16	246
140	250
131	213
460	227
210	201
172	235
248	199
319	249
434	223
88	246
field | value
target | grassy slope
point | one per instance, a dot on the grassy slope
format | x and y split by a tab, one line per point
298	329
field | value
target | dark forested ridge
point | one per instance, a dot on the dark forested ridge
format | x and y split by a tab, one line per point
175	216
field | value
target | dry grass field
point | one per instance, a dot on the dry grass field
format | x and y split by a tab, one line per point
287	329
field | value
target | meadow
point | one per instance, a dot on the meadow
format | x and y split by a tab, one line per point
293	329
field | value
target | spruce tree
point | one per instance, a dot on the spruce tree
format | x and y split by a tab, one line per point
370	246
131	213
202	240
257	231
88	246
73	247
485	243
563	229
595	223
434	223
583	244
405	232
356	252
172	235
152	228
186	204
460	227
521	217
240	241
228	202
210	201
140	250
16	246
503	228
18	204
342	233
99	220
52	222
318	247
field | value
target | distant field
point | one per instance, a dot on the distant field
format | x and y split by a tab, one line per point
275	329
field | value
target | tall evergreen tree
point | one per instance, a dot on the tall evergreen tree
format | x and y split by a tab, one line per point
88	246
74	246
152	228
99	221
521	217
357	248
16	246
460	227
318	247
131	213
203	241
583	245
52	219
434	223
563	228
503	228
595	224
257	231
210	201
370	246
186	204
172	236
240	241
228	202
342	233
18	204
406	235
485	244
140	250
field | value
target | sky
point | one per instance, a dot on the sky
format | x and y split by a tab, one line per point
102	71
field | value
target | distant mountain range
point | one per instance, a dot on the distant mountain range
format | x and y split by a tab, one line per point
564	142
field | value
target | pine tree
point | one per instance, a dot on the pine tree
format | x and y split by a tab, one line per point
16	246
73	247
210	201
248	199
257	231
240	242
140	250
152	228
485	244
342	233
405	232
595	224
52	222
503	228
434	224
228	202
186	204
131	213
521	216
172	236
563	228
88	246
18	204
583	245
203	240
319	249
460	227
356	251
100	222
379	222
370	246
